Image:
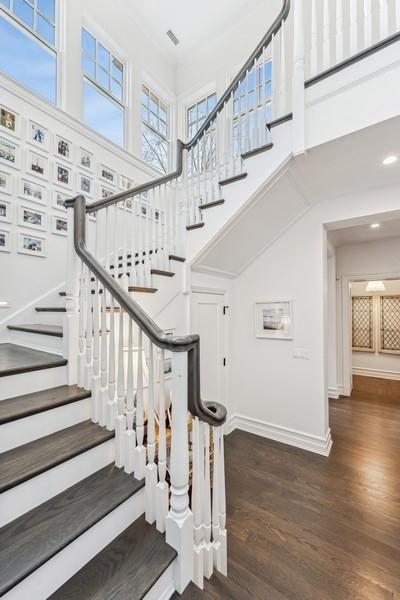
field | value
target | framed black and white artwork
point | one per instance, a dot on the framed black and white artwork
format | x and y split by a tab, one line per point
274	319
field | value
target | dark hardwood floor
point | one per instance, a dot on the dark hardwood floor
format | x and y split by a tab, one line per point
303	527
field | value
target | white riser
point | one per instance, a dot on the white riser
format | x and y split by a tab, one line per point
32	428
164	588
49	318
48	343
35	381
24	497
56	571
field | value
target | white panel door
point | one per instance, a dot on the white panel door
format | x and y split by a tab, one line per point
208	322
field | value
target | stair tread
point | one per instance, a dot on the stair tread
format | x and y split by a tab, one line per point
258	150
29	541
56	309
212	204
232	179
125	570
29	460
195	226
16	359
148	290
31	404
177	258
162	272
52	330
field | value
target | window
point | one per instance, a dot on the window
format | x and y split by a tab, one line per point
204	156
103	90
252	107
28	33
155	120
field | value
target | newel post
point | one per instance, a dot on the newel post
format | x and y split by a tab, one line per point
179	523
71	318
298	91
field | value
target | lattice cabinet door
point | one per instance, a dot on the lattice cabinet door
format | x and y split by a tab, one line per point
389	342
363	324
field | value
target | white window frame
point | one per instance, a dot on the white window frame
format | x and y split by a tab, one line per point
210	132
145	124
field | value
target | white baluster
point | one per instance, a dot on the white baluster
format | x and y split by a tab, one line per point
82	318
327	37
120	426
104	344
130	434
298	92
383	19
367	23
206	504
223	555
140	450
95	384
179	524
71	319
314	39
282	99
216	500
151	467
397	9
197	508
353	28
162	486
112	405
89	332
339	31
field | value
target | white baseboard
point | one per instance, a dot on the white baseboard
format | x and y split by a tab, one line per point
292	437
333	392
39	489
394	375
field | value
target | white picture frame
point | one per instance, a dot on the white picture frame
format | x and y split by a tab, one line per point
37	165
59	197
105	192
9	153
86	160
31	244
274	319
59	225
5	211
108	175
63	175
125	183
63	148
5	240
31	217
10	122
32	191
85	184
5	182
37	135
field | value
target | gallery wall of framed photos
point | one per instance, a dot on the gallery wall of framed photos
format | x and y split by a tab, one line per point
45	158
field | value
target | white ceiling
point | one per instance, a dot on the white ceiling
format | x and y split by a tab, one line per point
363	233
193	22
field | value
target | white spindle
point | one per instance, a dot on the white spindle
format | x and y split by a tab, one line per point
383	19
326	37
162	486
353	28
89	331
179	526
197	508
130	434
367	23
339	31
206	503
397	16
151	467
71	319
120	426
103	333
298	92
222	558
282	99
81	332
314	39
112	406
95	384
140	450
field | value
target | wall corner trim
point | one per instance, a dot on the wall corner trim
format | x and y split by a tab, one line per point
285	435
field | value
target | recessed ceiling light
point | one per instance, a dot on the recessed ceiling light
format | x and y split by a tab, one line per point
390	160
375	225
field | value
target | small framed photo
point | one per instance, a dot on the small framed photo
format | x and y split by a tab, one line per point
31	244
32	218
63	175
86	159
63	148
274	319
9	121
106	192
5	241
5	211
9	153
33	191
107	175
59	225
37	165
5	182
125	183
38	135
85	184
58	200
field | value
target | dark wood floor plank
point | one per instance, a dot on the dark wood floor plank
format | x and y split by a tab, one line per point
31	404
312	528
32	539
125	570
16	359
29	460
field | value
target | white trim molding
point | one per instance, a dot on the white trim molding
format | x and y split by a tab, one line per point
285	435
365	372
333	392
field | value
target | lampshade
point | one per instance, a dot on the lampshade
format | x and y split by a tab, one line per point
375	286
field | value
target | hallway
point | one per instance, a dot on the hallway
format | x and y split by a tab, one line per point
303	527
